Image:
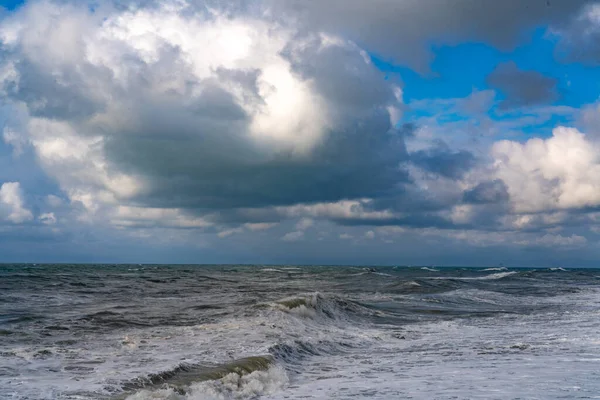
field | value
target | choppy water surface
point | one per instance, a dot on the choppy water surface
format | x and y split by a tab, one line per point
229	332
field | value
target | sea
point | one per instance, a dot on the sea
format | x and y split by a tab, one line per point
298	332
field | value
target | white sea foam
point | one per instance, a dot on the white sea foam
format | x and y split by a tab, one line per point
430	269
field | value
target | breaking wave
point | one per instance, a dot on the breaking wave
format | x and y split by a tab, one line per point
233	385
499	275
315	305
184	374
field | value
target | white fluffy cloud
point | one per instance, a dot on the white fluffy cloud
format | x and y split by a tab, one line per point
559	172
293	236
12	207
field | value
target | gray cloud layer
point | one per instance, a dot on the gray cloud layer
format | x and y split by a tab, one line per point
522	88
399	29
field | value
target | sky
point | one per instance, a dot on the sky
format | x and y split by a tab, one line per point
389	132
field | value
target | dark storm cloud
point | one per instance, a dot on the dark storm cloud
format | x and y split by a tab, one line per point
211	174
49	96
522	88
401	30
191	146
195	155
443	161
487	193
579	40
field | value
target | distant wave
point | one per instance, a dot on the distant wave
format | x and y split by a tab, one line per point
381	273
495	276
369	271
558	269
273	270
499	275
430	269
281	269
495	269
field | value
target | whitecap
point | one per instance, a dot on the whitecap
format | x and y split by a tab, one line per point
272	270
499	275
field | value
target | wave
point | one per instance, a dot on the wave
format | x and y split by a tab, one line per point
558	269
296	351
499	275
184	375
430	269
424	285
496	269
233	385
316	304
371	273
301	316
272	270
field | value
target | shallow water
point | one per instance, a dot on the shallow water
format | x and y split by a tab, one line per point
280	332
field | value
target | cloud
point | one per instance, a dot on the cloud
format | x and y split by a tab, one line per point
561	172
14	139
579	38
47	218
487	193
293	236
162	108
127	216
554	241
172	118
401	30
589	118
12	206
259	226
522	88
441	160
304	224
229	232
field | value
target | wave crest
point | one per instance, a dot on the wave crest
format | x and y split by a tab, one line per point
316	304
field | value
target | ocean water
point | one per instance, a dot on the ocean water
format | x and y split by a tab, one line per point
248	332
